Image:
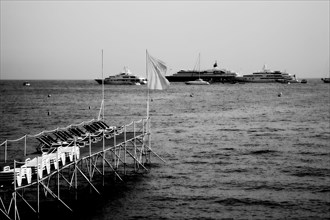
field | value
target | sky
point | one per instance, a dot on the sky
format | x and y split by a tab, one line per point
64	39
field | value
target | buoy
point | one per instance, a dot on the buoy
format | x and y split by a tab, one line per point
279	94
89	107
49	95
191	95
49	113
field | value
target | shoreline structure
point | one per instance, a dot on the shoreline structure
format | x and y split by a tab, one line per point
51	177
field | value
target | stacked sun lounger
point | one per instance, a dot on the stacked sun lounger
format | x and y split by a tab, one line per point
38	165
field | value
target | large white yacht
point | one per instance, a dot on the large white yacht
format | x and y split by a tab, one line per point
124	78
265	75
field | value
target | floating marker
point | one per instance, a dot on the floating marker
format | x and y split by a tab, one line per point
49	95
279	94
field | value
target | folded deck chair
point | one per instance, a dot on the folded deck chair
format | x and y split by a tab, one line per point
68	134
83	133
45	145
97	126
62	136
51	139
74	132
104	124
90	129
78	132
105	127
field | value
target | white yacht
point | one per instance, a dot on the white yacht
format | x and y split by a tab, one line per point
266	76
123	78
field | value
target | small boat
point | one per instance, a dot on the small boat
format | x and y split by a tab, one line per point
326	80
287	81
303	81
26	83
197	82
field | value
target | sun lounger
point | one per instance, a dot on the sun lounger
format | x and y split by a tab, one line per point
90	129
46	145
62	136
75	132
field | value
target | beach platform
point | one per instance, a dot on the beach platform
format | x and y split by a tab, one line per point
58	176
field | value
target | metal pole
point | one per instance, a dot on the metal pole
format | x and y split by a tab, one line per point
114	156
103	159
38	193
14	194
90	159
58	172
125	150
6	151
102	89
25	146
149	141
134	145
75	168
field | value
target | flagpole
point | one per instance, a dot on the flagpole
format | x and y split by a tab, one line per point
102	89
148	93
148	101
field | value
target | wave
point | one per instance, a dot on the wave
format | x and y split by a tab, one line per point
252	202
257	152
305	171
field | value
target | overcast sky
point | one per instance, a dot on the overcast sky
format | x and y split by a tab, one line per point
63	39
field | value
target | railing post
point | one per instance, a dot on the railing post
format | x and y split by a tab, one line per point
90	159
134	145
38	193
6	151
114	156
103	156
14	193
75	168
125	150
25	145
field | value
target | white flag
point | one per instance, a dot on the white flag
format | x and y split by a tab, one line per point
156	74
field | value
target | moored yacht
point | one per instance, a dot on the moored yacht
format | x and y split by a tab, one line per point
266	76
213	75
123	78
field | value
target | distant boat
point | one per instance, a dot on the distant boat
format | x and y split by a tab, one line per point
303	81
198	81
287	81
26	83
124	78
267	76
326	80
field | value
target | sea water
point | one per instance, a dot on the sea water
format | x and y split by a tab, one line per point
232	151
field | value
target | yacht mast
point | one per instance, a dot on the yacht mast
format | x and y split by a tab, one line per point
199	65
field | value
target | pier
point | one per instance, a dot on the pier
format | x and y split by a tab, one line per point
58	175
